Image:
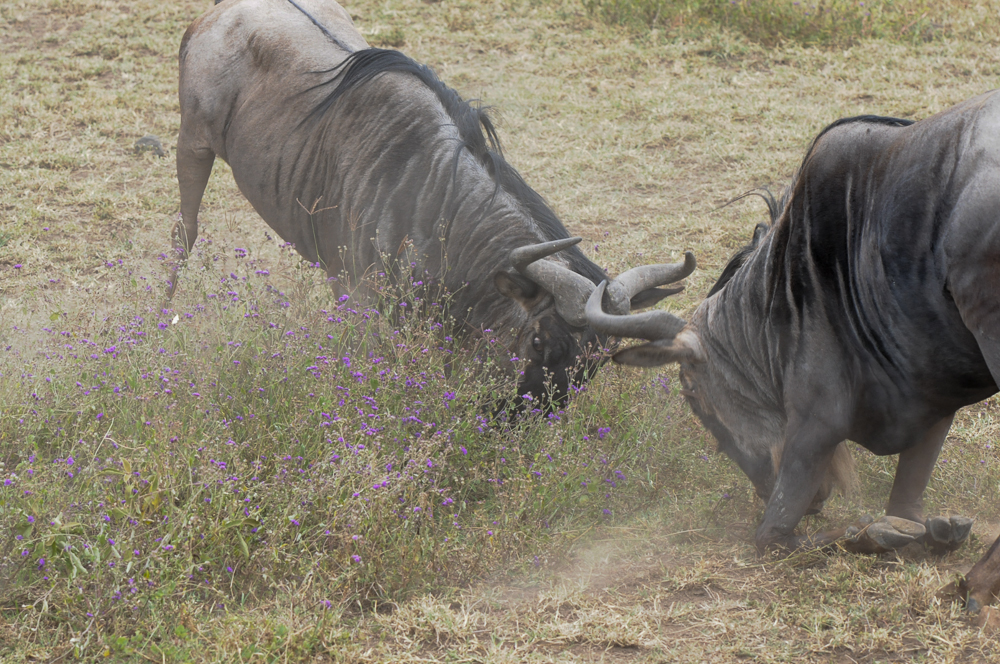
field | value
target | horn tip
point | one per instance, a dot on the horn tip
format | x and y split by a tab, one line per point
593	306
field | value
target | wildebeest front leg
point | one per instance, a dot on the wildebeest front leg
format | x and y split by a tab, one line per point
913	472
904	520
804	462
194	166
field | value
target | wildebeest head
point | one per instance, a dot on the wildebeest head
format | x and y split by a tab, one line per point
733	402
746	427
557	343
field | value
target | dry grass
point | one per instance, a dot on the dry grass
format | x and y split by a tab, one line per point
636	138
823	23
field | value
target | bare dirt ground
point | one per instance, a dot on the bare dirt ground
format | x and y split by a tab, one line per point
636	140
638	596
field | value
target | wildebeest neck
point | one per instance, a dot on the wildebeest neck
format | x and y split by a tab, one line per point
742	356
436	192
806	293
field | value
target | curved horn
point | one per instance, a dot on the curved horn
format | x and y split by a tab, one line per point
521	257
569	289
632	282
651	325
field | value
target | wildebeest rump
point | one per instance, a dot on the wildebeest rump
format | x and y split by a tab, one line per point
867	311
367	163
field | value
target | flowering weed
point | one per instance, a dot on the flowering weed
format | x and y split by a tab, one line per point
237	443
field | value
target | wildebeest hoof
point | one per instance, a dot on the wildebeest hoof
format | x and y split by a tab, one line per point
945	533
887	534
973	606
852	530
892	532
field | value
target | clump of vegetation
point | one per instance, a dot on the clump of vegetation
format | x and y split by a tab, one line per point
640	13
246	441
769	22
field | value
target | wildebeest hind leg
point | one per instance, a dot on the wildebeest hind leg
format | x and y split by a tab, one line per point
193	169
982	584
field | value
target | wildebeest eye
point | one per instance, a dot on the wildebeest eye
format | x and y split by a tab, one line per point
536	343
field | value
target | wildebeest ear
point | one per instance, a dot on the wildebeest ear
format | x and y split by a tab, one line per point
759	231
521	290
651	296
685	347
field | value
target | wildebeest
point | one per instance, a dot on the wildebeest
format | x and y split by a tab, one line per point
367	163
868	310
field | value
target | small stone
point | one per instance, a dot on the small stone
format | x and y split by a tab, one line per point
150	143
988	620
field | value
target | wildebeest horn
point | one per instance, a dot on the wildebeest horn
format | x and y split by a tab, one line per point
651	325
569	289
646	277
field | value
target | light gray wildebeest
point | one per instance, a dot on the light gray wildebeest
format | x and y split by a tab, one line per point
364	160
868	310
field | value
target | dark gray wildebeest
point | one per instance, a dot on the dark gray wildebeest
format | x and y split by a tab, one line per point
867	310
365	161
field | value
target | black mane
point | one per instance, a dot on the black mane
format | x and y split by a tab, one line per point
873	119
776	205
476	129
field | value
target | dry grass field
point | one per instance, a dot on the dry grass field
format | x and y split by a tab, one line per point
613	533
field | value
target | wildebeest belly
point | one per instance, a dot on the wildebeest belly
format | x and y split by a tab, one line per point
891	418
